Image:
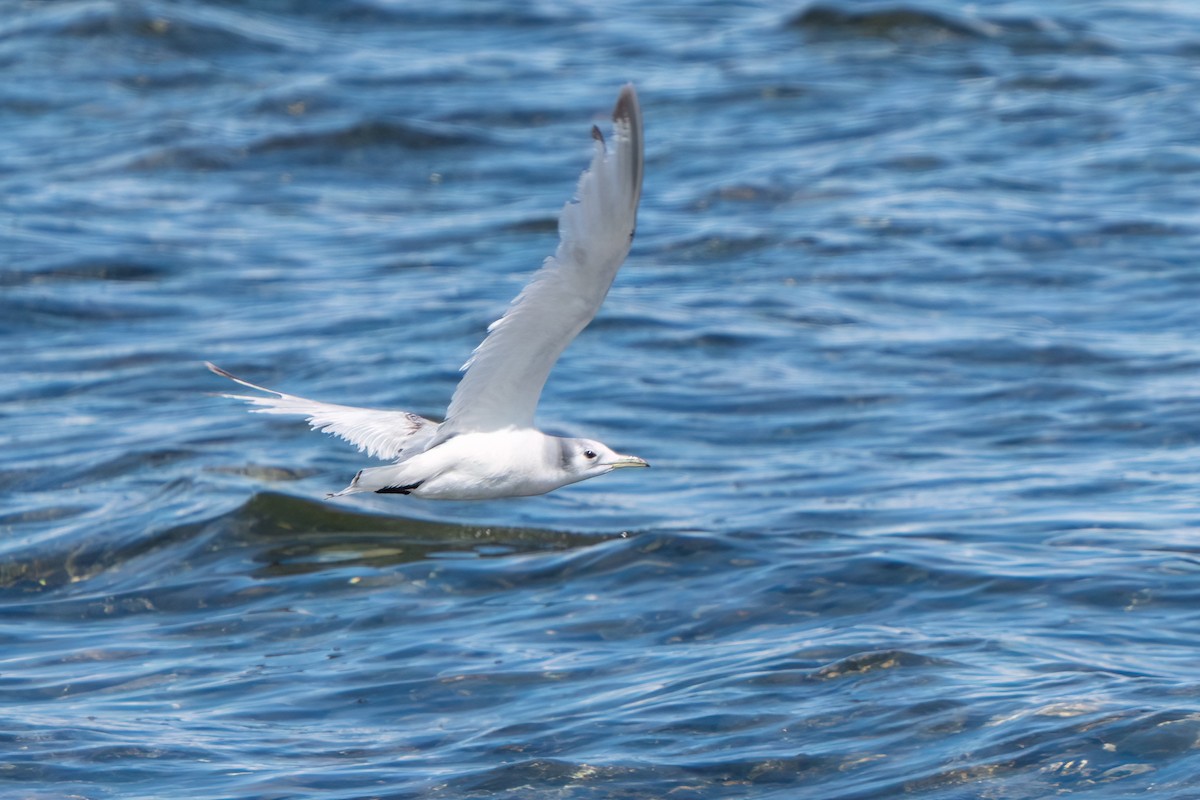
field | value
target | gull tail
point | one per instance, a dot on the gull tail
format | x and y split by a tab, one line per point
381	434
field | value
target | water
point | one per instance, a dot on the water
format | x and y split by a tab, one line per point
909	334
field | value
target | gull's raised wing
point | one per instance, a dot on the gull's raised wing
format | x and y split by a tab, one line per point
505	375
381	434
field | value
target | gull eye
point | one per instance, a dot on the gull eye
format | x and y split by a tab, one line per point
589	453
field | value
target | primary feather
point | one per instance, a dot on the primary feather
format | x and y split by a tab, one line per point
506	373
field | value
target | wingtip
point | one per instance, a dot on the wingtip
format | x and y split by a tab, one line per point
627	104
217	370
242	382
627	121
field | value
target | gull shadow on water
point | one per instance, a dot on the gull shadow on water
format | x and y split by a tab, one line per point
295	536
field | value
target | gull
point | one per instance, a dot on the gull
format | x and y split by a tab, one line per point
488	447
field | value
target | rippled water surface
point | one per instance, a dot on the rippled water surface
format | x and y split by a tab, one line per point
909	333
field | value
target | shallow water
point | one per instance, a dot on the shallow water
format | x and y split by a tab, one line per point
909	334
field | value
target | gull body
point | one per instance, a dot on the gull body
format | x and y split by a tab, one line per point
488	446
479	466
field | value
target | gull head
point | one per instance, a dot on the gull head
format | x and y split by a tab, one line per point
587	458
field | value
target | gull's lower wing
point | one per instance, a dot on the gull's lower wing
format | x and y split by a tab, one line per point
381	434
506	373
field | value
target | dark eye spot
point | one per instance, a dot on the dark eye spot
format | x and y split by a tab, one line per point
589	453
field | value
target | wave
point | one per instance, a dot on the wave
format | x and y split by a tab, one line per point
195	30
323	145
921	26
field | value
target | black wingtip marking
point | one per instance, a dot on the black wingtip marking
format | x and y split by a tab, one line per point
627	117
626	106
597	135
399	489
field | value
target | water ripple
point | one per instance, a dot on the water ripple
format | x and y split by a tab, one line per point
908	333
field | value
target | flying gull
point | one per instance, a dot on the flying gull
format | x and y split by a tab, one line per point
488	447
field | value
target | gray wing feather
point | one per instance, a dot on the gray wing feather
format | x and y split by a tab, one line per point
504	377
381	434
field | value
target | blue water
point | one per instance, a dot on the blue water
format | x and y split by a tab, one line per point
909	333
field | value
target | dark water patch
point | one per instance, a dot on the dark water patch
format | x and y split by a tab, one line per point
897	571
902	24
751	194
540	225
376	13
1139	228
184	31
296	103
16	100
723	723
1084	119
1157	735
1037	392
815	317
370	134
570	779
784	91
347	11
706	342
1033	240
536	776
527	114
999	352
720	247
926	26
199	157
36	572
352	143
32	309
1173	364
1058	81
1082	489
765	772
1168	160
83	270
916	162
861	665
182	75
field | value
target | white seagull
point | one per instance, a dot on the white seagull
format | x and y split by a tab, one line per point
488	447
